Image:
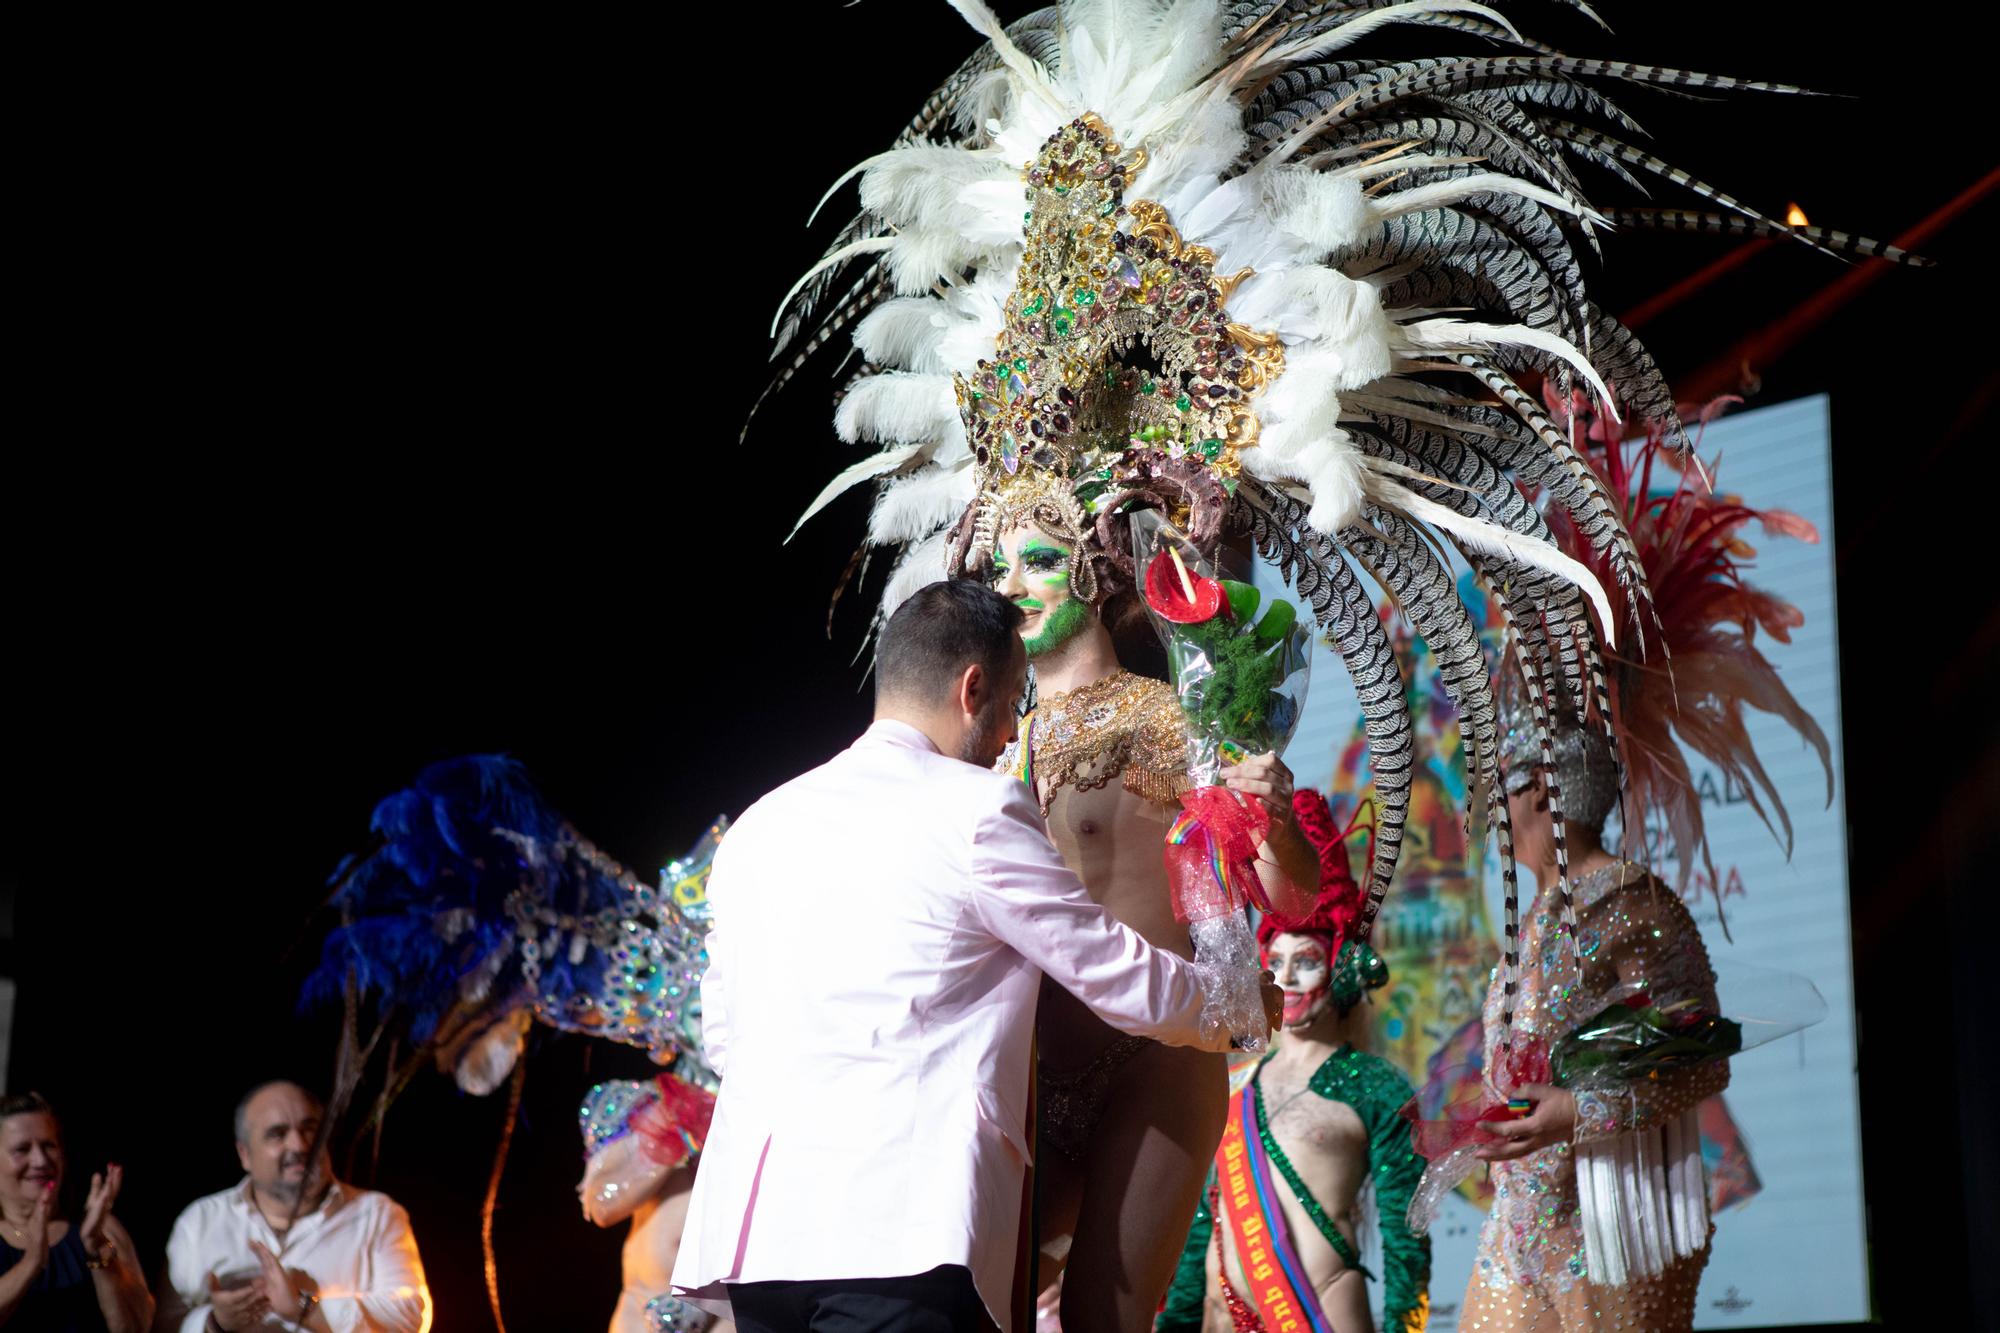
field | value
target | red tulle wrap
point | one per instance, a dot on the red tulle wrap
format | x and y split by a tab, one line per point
1447	1112
672	1129
1211	854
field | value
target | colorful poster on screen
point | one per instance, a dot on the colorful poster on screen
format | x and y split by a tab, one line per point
1783	1145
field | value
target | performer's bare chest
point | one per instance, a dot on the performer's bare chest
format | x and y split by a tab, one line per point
1325	1142
1113	840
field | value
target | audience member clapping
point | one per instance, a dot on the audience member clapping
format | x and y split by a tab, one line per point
83	1278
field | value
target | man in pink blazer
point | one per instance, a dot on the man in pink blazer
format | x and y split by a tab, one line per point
881	926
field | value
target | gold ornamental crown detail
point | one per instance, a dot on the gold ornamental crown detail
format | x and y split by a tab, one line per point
1115	336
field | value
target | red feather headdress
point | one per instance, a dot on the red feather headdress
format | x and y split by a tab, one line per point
1695	664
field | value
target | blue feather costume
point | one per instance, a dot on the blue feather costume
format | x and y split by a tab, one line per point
478	906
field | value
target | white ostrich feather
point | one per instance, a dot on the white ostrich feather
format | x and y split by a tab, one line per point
1331	469
1312	303
1183	166
921	565
922	185
1119	54
900	407
1326	212
916	506
1308	411
877	465
920	259
904	334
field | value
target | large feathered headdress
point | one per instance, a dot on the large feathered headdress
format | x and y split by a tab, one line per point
1693	666
478	909
1197	255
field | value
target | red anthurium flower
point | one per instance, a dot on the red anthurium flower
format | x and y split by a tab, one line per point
1167	594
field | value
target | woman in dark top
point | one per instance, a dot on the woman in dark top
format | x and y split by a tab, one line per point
54	1277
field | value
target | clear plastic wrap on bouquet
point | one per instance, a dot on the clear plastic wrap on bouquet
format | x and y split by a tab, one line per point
1241	682
1635	1033
1239	667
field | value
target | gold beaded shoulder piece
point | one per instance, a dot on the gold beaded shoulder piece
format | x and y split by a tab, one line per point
1123	725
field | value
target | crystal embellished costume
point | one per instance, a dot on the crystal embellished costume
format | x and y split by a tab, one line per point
479	912
1612	1230
1532	1270
1123	727
635	1135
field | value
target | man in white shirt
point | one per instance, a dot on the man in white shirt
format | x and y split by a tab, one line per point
290	1246
881	928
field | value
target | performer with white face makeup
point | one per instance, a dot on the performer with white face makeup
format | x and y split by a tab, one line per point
1310	1128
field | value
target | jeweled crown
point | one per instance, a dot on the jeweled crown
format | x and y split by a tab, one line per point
1115	336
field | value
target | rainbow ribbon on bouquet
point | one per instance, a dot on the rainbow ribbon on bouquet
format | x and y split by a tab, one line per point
1210	854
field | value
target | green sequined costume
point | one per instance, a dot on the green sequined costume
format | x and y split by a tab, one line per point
1376	1090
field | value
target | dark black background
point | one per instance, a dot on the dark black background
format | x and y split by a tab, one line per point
386	394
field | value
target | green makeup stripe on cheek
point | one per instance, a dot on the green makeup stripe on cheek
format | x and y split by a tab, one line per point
1060	627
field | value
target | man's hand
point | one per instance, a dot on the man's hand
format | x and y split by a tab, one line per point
1274	1002
281	1292
1551	1122
1265	777
104	1187
235	1310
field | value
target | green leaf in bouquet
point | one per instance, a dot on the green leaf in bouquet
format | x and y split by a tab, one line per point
1277	623
1243	600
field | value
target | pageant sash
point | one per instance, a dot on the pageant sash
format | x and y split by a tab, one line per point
1248	1208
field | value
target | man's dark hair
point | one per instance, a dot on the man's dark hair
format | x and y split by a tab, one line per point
24	1103
242	1120
941	630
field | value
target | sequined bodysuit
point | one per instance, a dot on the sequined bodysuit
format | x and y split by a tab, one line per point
1531	1272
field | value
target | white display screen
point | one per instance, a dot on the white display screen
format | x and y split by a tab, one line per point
1784	1148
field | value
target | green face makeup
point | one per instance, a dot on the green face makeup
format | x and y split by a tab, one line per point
1036	575
1059	627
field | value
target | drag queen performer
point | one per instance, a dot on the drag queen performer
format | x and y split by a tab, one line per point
641	1142
1215	261
1291	1168
479	913
1600	1214
1127	1124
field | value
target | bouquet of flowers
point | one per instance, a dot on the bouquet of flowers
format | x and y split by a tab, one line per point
1633	1038
1241	681
1241	675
